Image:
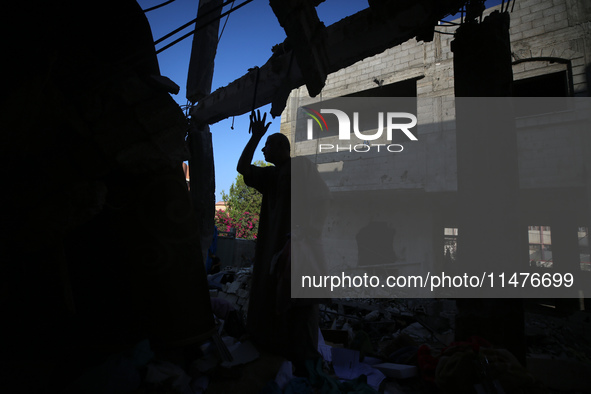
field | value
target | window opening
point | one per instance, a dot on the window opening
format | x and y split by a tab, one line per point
540	246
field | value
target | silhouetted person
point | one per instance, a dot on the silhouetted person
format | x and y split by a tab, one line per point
289	330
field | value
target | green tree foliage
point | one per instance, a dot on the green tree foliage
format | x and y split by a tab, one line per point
244	207
242	198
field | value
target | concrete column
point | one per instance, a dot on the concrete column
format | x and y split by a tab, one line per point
199	82
202	182
488	179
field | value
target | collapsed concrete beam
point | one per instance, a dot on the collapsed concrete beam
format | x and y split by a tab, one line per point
348	41
276	79
307	38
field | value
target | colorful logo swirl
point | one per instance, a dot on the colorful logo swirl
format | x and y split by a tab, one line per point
315	115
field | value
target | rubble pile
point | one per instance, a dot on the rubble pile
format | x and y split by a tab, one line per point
559	337
397	343
384	320
232	285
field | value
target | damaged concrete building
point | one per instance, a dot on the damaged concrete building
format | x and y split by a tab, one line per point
550	57
102	246
485	186
399	54
489	186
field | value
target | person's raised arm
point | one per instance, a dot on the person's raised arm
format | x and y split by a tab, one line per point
258	129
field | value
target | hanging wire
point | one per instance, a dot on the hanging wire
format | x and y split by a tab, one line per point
201	27
193	21
254	96
225	23
256	86
187	108
158	6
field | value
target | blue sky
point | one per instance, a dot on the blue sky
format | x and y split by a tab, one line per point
247	39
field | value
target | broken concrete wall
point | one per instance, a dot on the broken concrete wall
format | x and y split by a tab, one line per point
547	28
559	29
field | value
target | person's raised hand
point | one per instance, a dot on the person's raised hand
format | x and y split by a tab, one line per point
257	124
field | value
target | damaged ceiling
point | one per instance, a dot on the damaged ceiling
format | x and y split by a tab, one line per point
312	51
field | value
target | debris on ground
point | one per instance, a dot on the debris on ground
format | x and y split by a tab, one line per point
393	346
384	338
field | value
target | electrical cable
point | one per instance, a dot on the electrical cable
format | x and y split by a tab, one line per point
158	6
256	86
225	23
198	27
191	22
187	108
254	96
